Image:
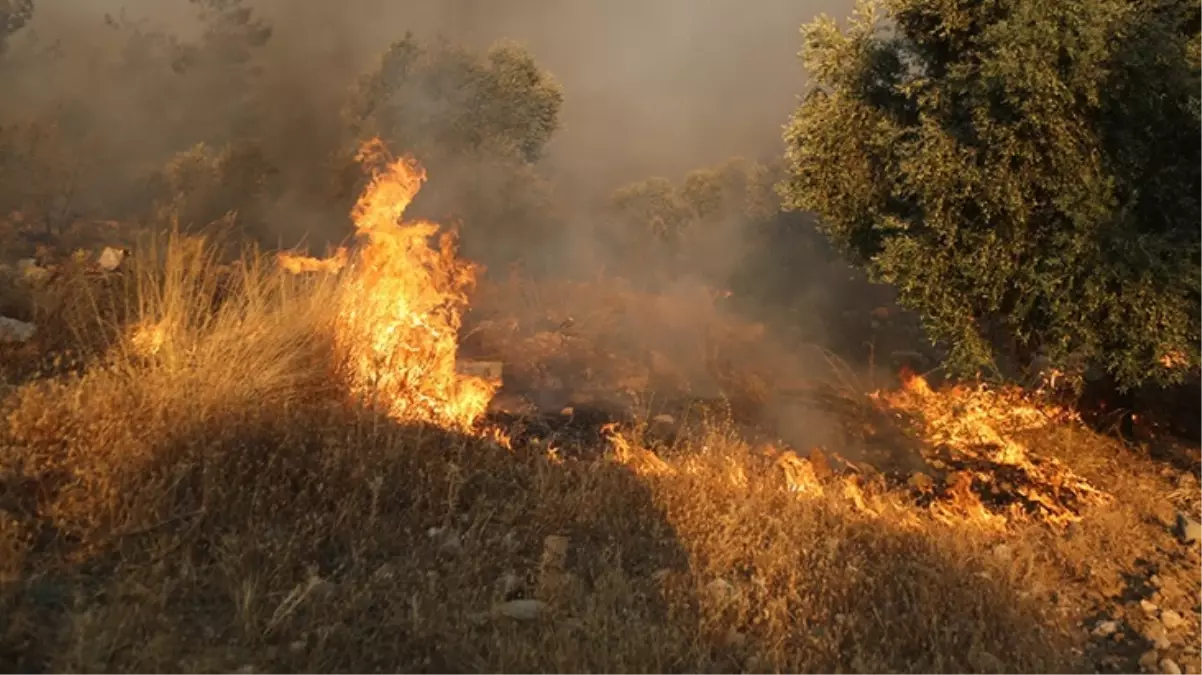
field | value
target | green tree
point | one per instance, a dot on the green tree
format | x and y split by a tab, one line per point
709	225
1026	173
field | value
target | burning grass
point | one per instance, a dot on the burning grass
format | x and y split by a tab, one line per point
273	471
975	439
401	302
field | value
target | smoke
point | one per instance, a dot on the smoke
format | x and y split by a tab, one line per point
651	89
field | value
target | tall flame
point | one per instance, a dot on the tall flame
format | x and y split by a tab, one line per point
401	303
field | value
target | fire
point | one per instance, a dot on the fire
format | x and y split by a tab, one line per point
979	435
401	303
298	264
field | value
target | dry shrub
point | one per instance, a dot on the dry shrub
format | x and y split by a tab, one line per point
202	347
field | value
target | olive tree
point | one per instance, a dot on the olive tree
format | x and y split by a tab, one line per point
1026	173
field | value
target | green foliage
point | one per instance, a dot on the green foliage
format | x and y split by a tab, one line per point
201	186
707	225
1026	173
439	99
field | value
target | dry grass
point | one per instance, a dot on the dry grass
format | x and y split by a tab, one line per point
216	504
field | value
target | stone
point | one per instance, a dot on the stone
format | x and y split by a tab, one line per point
12	330
110	258
522	610
1188	529
1169	667
1148	607
1171	620
1155	633
1105	628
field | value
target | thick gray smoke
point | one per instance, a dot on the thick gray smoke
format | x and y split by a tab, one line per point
652	88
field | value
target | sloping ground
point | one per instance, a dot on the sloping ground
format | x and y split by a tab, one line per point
221	505
142	534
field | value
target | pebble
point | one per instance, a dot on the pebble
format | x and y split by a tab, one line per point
1157	635
1149	660
1148	606
1188	529
1105	628
1169	667
1171	619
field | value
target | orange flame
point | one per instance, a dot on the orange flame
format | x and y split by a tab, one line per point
401	303
299	264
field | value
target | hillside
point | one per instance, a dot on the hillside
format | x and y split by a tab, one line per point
287	464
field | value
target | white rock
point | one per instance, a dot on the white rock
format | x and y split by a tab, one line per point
1105	628
1169	667
523	610
1148	606
111	258
12	330
1188	529
1171	619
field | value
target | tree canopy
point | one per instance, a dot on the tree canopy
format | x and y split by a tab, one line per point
1026	173
478	122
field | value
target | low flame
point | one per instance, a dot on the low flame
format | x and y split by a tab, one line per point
401	303
299	264
978	434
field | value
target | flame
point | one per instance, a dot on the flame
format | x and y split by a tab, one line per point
981	432
299	264
401	303
1173	360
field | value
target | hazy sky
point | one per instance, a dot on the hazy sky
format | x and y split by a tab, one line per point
653	87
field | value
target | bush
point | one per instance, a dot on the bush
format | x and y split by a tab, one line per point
1025	173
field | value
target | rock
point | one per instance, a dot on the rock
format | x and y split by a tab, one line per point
1169	667
1148	607
522	610
1155	633
721	591
1171	620
110	258
555	552
1149	661
1105	628
1188	529
12	330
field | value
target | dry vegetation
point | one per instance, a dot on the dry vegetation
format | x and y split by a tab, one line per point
217	483
675	430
